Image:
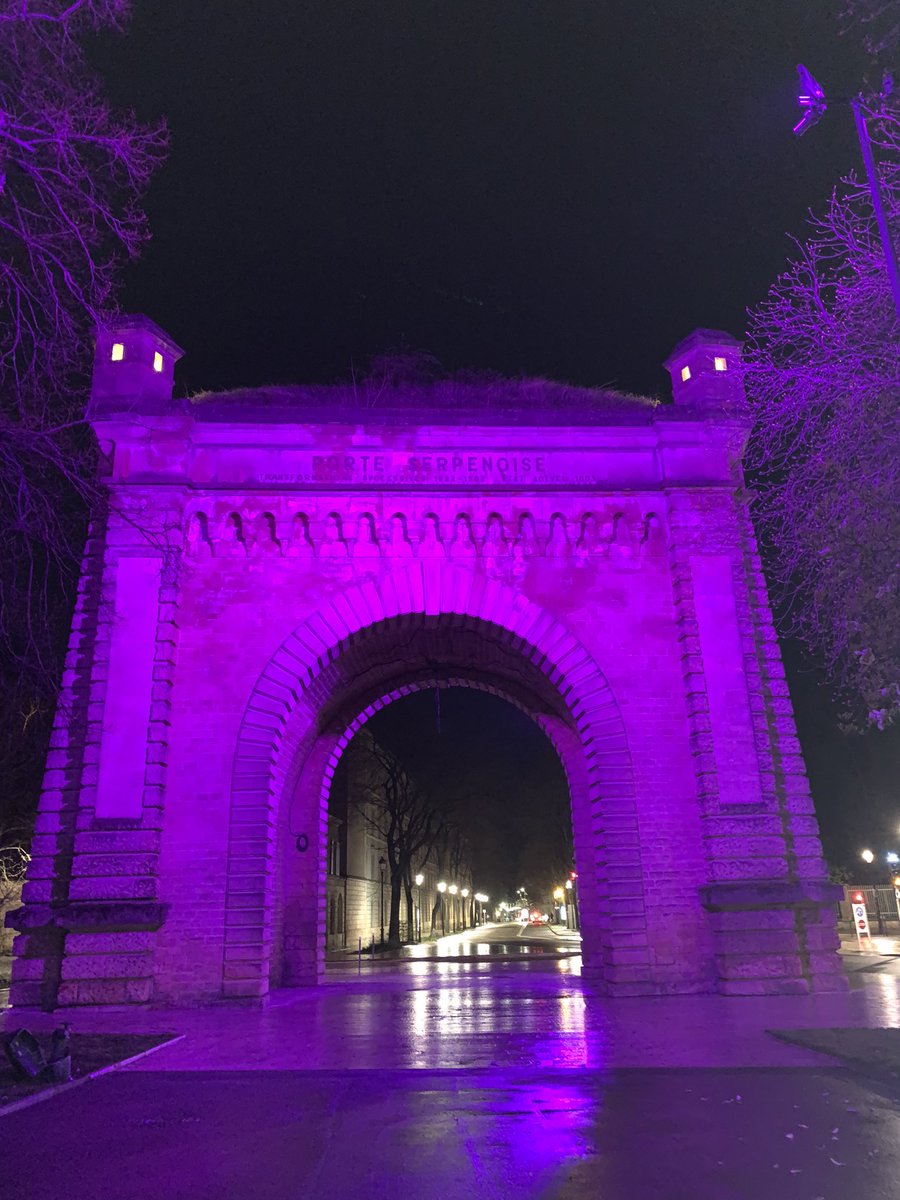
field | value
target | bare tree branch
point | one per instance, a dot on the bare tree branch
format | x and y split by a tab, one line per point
72	174
823	375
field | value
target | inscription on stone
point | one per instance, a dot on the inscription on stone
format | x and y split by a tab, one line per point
451	467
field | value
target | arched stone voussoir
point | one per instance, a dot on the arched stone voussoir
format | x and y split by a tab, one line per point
343	656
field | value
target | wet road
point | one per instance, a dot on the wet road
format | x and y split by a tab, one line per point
534	1135
511	939
494	1078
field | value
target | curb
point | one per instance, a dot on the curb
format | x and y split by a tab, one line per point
49	1092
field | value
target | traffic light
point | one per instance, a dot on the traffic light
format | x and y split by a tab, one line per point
857	897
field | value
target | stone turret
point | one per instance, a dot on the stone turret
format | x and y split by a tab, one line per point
134	365
704	370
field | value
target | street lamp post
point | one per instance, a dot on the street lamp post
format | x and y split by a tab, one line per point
419	881
465	905
813	105
868	858
442	888
454	913
573	892
381	866
893	860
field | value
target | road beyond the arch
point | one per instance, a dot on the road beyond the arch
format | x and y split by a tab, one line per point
443	1079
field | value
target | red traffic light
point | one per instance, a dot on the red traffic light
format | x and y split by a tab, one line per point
573	874
857	897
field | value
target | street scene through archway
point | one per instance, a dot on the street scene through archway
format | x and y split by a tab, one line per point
449	837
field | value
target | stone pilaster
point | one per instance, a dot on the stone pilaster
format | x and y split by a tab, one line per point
71	768
93	926
771	909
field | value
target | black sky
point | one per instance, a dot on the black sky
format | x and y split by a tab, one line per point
507	790
559	187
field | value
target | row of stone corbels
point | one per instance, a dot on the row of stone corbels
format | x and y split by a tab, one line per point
612	531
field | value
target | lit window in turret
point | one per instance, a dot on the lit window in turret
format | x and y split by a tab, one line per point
720	364
685	374
158	361
118	351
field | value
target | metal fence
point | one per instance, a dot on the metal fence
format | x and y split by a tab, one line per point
882	907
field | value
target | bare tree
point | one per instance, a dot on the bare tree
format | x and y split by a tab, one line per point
823	376
407	817
879	23
72	173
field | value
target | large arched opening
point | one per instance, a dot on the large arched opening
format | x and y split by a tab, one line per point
354	655
454	780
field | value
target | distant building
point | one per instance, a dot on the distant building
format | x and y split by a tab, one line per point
356	883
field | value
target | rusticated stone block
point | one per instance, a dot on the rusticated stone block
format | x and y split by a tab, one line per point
27	994
759	966
765	986
113	888
26	969
130	942
106	966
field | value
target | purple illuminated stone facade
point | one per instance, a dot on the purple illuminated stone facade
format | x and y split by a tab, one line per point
270	574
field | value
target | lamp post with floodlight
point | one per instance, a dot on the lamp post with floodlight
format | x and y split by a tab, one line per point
418	931
868	858
893	861
813	106
381	865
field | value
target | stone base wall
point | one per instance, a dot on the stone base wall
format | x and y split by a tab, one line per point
10	899
775	938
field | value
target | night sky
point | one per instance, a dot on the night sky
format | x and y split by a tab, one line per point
545	187
506	787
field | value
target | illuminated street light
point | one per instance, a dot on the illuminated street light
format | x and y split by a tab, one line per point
453	889
442	887
811	99
419	880
867	856
813	105
892	858
382	864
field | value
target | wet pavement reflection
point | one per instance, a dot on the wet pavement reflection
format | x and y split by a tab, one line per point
445	1078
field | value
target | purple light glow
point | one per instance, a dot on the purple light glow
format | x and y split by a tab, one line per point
811	99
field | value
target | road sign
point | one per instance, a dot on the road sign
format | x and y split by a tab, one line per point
861	921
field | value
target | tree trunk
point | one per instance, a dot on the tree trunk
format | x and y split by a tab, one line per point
410	912
394	926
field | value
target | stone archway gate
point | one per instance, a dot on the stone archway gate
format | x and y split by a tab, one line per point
273	568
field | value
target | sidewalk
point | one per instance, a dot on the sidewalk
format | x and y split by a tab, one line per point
884	947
